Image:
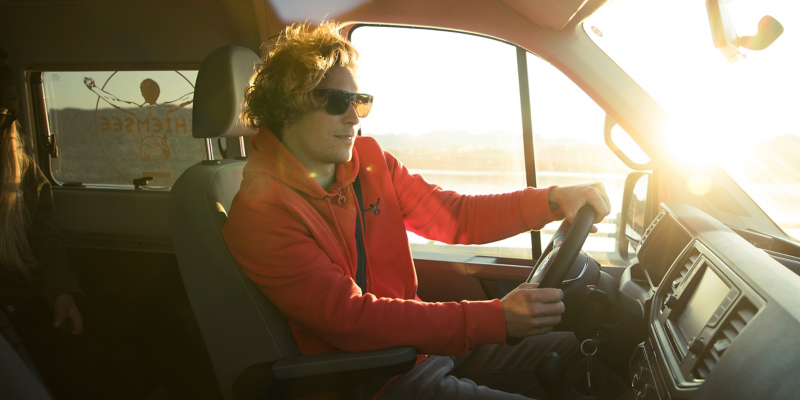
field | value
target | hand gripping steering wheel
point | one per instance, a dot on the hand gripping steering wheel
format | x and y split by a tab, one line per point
553	268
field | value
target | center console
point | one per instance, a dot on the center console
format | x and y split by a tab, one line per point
707	302
700	311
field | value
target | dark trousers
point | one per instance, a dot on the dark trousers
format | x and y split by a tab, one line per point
502	372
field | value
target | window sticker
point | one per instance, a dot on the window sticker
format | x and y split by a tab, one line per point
113	127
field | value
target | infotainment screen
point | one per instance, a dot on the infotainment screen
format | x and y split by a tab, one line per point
662	247
707	297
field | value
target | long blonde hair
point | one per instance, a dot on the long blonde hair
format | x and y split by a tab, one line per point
15	251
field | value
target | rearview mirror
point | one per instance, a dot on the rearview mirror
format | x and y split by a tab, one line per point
724	33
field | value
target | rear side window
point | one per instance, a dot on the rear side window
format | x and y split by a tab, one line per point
115	126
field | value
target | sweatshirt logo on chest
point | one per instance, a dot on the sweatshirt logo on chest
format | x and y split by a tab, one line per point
373	207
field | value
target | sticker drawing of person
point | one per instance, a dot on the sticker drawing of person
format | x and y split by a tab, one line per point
154	147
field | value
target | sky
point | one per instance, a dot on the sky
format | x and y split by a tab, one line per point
453	81
68	90
429	87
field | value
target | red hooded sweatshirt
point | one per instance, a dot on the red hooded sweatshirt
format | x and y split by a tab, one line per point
297	242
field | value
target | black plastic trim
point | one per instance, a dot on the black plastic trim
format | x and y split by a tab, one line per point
40	126
300	376
527	137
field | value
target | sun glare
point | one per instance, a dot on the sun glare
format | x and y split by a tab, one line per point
740	115
699	184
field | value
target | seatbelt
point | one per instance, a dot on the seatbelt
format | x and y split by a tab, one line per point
361	269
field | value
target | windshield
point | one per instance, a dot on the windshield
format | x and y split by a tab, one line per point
744	114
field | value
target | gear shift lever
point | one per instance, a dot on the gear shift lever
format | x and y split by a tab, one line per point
551	376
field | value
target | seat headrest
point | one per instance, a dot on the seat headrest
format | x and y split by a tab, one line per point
221	81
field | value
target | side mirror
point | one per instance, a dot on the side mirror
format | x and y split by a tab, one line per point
636	213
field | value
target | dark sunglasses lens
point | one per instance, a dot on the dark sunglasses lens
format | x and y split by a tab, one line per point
363	104
337	103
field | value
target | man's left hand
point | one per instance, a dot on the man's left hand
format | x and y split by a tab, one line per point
65	310
569	199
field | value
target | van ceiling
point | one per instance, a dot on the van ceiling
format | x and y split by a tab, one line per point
107	33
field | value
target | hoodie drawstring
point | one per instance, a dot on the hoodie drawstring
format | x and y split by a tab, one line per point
340	197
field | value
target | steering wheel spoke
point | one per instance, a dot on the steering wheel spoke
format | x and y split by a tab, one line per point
553	268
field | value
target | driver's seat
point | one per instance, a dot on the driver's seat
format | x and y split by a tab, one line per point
251	347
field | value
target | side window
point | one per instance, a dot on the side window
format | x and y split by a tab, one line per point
569	149
115	126
458	126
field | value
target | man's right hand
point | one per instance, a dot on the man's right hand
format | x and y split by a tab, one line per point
531	311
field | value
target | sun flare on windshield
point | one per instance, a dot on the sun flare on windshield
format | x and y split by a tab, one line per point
739	115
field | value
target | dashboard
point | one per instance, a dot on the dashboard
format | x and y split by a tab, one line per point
723	321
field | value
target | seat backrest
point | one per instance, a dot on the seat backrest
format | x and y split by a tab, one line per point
239	325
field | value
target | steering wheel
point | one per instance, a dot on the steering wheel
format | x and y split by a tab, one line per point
554	266
552	270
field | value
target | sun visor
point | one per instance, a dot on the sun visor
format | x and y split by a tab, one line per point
555	14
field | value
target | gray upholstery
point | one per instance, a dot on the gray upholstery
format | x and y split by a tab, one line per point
17	380
239	325
223	77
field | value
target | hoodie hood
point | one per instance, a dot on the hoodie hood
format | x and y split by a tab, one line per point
266	154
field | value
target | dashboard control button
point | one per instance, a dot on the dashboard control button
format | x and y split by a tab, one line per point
715	318
720	311
726	303
696	346
721	345
670	301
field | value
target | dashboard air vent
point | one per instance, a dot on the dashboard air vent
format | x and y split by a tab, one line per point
652	225
684	265
741	314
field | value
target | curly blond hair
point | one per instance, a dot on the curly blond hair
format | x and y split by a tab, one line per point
281	89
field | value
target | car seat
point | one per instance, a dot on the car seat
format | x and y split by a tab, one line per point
251	347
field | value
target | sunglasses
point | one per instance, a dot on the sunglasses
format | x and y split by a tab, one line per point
337	101
6	119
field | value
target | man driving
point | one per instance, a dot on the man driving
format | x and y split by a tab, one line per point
319	224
